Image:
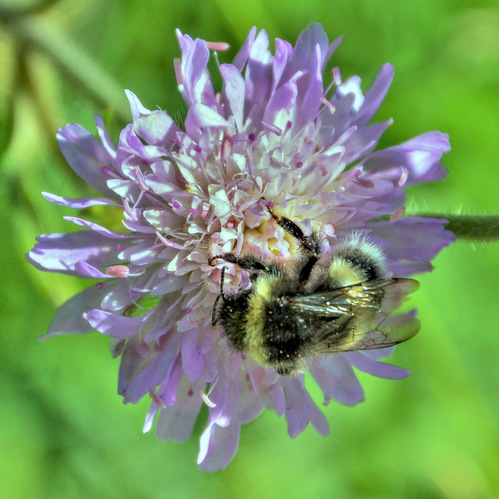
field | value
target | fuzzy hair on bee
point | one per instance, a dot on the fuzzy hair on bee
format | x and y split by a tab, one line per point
299	308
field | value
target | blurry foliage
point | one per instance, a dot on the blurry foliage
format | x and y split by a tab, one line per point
64	430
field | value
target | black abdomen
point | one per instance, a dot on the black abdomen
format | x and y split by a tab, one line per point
287	336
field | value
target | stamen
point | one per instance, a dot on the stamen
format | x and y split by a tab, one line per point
118	271
329	105
139	198
177	65
276	162
272	128
363	182
220	46
397	213
140	179
166	242
226	149
128	210
337	76
206	400
403	176
160	404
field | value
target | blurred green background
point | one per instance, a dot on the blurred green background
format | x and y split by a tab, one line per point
63	429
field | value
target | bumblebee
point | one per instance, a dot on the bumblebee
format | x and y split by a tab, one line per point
297	309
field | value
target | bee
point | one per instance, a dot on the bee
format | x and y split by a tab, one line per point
297	309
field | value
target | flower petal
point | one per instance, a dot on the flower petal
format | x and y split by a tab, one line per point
115	326
138	373
86	155
155	127
192	356
61	252
378	369
200	116
79	203
335	376
413	243
218	446
234	91
242	56
419	155
96	227
196	86
176	422
69	317
300	408
375	95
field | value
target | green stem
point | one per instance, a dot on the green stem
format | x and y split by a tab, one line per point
470	227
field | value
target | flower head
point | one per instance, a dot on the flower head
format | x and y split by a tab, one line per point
274	136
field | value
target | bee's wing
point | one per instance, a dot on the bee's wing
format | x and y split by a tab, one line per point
394	291
360	315
383	294
385	332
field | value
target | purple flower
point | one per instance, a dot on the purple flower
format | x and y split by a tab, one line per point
274	134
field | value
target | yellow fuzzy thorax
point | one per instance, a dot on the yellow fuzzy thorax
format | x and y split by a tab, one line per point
344	274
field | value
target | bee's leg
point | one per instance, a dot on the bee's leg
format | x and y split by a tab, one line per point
310	244
308	265
251	263
214	318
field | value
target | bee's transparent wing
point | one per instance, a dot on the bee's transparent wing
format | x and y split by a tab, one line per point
359	317
383	294
386	332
